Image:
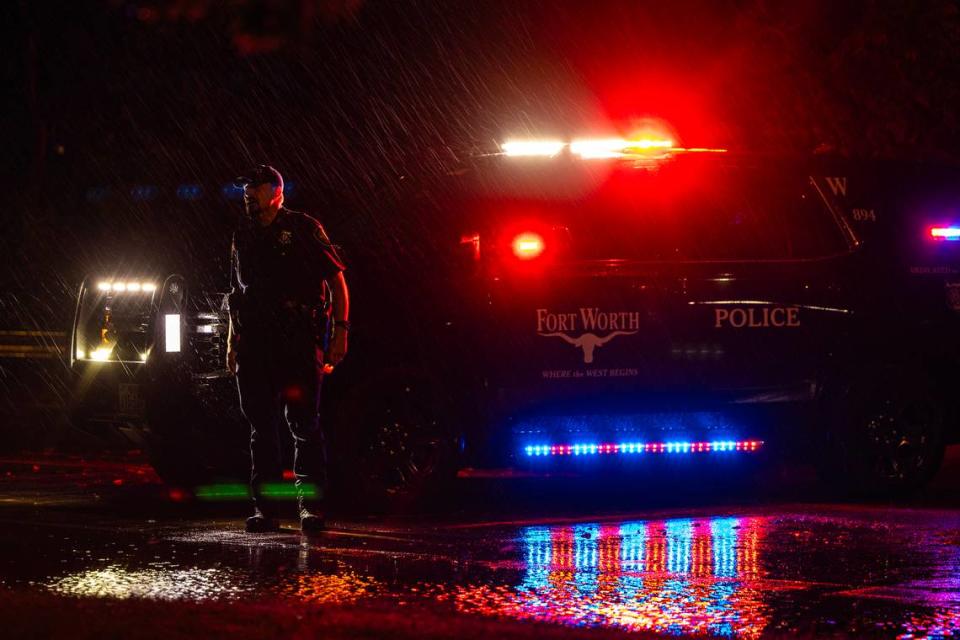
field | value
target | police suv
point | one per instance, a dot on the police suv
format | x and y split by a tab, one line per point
634	301
588	304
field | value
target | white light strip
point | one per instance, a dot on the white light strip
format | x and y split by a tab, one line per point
146	287
593	148
516	148
172	332
599	148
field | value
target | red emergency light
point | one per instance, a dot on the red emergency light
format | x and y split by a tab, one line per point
528	245
945	233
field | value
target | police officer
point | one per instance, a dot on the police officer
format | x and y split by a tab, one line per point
285	273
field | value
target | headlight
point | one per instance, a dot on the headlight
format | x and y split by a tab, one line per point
113	320
102	354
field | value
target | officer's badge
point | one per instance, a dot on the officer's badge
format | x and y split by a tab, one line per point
285	237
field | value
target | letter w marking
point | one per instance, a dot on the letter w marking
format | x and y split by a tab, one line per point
838	185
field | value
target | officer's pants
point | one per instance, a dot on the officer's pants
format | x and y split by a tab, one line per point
279	382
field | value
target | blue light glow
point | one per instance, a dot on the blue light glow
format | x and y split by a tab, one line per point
578	449
679	576
679	543
232	191
144	192
723	534
189	191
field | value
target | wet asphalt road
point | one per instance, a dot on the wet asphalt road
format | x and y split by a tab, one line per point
79	535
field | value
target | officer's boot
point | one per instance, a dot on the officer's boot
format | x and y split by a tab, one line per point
312	521
260	522
311	515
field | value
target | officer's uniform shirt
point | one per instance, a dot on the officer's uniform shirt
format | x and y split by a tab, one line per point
281	266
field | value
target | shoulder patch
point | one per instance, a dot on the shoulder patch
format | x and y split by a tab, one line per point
313	225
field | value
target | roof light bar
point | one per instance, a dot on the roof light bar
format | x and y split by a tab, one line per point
628	448
650	143
945	233
601	148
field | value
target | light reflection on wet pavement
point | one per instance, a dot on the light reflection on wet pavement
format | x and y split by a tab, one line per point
811	569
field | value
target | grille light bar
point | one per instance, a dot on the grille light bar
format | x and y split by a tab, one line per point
627	448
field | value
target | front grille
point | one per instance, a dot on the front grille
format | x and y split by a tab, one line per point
206	334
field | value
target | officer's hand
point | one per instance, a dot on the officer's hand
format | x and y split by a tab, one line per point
338	348
232	361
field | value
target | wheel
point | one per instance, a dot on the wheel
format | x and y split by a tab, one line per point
396	443
889	432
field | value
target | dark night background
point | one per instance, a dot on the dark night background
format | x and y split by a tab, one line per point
128	119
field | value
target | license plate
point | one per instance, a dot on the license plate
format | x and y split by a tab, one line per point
130	400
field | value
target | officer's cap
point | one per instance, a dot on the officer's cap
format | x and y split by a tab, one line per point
262	174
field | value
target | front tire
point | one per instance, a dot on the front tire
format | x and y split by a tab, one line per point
397	446
888	433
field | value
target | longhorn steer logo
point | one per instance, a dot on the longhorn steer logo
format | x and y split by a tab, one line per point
589	341
588	320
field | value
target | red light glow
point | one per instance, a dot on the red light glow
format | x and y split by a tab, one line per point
528	245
